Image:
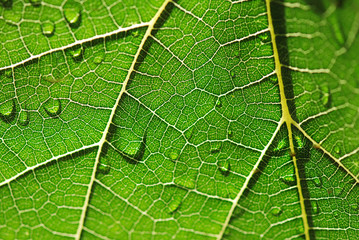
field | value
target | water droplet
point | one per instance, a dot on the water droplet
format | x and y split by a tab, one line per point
77	53
236	53
276	211
338	191
174	205
337	149
264	37
98	59
135	149
7	110
325	95
189	133
289	179
174	155
337	28
354	206
24	118
8	73
35	2
219	103
230	133
48	28
315	207
224	166
72	15
53	107
187	181
281	145
104	165
135	34
233	74
317	182
216	147
299	141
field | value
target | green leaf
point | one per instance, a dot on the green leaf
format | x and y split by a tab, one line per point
179	119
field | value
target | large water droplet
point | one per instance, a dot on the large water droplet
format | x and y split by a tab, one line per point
317	182
35	2
7	110
24	118
315	207
174	204
52	107
48	28
216	147
276	211
224	167
325	95
72	15
77	53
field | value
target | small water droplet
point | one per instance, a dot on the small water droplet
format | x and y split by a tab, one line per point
216	147
315	207
135	34
354	206
187	181
299	141
276	211
24	118
281	145
230	133
174	155
337	28
224	166
174	205
264	37
48	28
289	179
8	73
104	166
98	59
35	2
219	103
317	182
233	74
72	15
337	149
325	95
53	107
236	53
7	110
135	149
77	53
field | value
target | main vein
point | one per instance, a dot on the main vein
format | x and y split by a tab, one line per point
112	115
286	117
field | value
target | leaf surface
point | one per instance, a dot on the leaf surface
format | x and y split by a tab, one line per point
179	119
